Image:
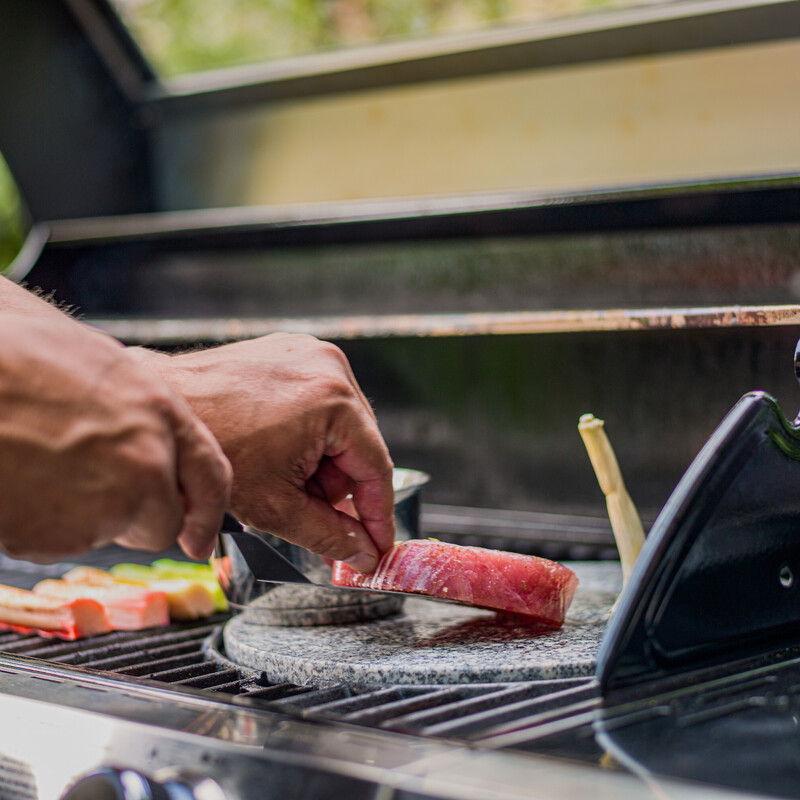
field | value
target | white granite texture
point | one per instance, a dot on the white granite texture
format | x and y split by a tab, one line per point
435	643
292	605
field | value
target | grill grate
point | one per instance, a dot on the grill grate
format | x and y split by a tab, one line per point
129	647
187	655
467	712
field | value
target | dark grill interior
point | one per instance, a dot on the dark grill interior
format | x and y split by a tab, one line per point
561	537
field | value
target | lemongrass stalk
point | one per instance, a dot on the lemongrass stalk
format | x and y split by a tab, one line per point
625	522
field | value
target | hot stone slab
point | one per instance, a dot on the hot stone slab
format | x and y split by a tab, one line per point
435	643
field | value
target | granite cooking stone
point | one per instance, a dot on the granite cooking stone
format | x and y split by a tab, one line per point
288	604
435	643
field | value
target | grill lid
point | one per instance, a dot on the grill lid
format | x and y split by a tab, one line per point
719	575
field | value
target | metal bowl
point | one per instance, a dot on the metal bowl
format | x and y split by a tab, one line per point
293	602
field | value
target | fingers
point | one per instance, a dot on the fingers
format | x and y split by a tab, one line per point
374	502
297	424
204	477
332	486
184	489
157	521
361	455
330	483
327	531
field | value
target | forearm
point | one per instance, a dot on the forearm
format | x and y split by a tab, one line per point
15	299
95	447
154	359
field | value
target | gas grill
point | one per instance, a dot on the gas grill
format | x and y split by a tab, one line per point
691	670
481	324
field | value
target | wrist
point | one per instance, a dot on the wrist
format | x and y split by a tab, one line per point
153	359
179	372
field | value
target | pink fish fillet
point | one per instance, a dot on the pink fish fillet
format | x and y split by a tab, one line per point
494	579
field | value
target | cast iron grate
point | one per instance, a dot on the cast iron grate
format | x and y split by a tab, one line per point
468	712
186	655
172	654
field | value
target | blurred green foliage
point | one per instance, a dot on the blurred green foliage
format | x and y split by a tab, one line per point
182	36
12	226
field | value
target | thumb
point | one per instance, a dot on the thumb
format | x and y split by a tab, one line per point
331	533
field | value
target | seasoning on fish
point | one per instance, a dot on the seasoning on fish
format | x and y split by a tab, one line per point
511	582
129	608
26	612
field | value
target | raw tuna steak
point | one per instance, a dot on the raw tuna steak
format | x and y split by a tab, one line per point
520	584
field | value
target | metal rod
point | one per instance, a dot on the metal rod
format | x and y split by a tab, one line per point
165	332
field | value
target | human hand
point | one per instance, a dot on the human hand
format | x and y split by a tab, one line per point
300	436
94	448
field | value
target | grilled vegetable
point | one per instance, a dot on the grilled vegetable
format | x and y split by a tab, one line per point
187	599
169	569
625	522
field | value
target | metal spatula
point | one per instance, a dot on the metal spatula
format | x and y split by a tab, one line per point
256	560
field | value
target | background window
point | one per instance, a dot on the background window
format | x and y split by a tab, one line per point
184	36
